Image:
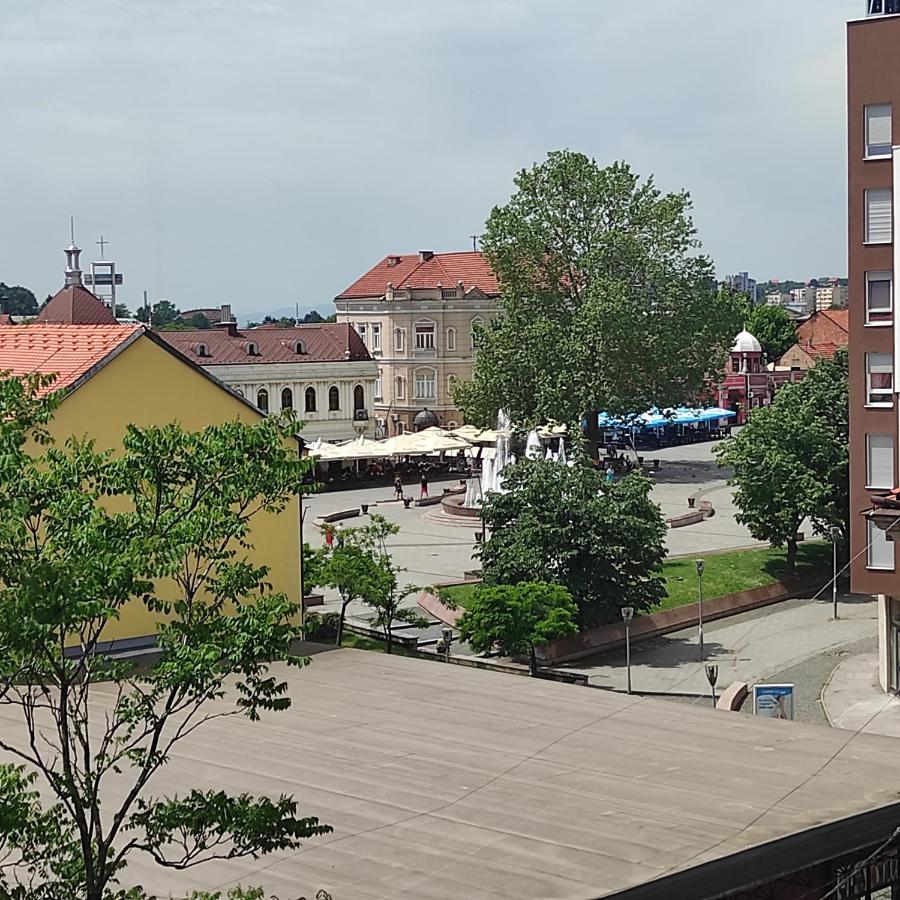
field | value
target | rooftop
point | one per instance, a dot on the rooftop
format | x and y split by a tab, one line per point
425	270
329	342
69	351
443	781
76	305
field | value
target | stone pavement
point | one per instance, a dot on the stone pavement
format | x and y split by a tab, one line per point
752	647
853	698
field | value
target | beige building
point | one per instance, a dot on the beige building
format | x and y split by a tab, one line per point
419	315
832	296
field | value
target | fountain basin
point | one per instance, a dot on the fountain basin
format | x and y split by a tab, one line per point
454	505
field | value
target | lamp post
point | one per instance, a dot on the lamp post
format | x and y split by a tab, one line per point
627	615
835	537
712	676
699	563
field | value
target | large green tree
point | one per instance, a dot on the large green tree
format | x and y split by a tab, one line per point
515	618
165	523
564	525
790	462
606	302
17	300
773	328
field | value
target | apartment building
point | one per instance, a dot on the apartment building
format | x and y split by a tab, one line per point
743	284
873	103
419	315
778	298
832	296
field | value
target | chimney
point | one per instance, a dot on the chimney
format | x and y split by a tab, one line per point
425	255
227	322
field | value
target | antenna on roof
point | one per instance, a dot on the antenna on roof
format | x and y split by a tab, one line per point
475	240
72	229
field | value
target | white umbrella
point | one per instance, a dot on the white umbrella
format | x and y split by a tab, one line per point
562	452
360	448
431	440
533	445
324	451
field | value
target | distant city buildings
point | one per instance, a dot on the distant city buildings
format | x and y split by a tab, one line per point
832	296
778	298
743	284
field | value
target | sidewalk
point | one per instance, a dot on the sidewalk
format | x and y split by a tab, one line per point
853	698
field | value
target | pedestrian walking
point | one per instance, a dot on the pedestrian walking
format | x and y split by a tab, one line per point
610	475
398	487
423	482
329	536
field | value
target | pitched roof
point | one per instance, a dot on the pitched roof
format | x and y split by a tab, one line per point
840	317
212	313
329	342
424	271
75	305
70	352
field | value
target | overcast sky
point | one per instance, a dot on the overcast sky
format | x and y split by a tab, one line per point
267	152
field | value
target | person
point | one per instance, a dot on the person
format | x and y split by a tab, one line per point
329	535
398	487
610	475
423	481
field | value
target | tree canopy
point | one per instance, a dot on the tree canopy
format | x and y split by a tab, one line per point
16	300
606	303
790	462
515	618
773	328
564	525
83	534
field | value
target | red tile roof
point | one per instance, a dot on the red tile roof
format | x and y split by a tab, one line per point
329	342
76	306
840	317
414	271
68	351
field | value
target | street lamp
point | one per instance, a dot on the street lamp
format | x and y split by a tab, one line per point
699	563
835	537
627	615
712	676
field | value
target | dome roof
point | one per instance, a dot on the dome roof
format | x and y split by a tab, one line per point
746	343
425	418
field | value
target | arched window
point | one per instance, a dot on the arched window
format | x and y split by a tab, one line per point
475	331
425	386
250	348
451	338
359	398
262	399
310	399
287	399
399	388
334	399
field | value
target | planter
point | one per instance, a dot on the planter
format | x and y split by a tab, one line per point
691	502
364	507
407	501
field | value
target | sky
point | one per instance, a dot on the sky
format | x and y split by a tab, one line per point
265	153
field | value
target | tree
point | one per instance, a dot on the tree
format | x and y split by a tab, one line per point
563	525
773	328
82	535
123	312
790	462
164	312
516	618
16	300
199	320
605	304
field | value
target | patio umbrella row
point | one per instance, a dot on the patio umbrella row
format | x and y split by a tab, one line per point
422	443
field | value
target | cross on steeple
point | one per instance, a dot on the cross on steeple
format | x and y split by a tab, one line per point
102	244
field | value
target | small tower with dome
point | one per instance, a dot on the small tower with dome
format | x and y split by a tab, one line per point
746	384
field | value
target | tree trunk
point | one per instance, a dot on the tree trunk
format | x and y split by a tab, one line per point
340	629
592	434
532	662
790	562
388	639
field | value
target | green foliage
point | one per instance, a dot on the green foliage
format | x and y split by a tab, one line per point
17	300
790	462
321	626
513	619
163	312
564	525
773	328
165	523
313	317
605	304
123	312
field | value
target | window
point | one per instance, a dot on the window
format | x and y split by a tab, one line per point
398	339
363	331
359	398
878	130
879	219
451	338
310	399
879	460
879	379
879	299
379	386
334	399
424	337
881	550
425	384
451	383
287	399
376	337
250	348
735	364
399	388
262	400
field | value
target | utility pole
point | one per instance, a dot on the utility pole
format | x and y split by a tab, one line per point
147	311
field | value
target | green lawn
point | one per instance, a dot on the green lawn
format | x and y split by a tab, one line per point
724	573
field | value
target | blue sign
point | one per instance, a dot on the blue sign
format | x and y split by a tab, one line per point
775	701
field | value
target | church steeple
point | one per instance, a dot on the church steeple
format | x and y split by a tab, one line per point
73	264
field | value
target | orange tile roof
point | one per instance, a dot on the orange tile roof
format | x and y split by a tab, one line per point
67	351
412	271
840	317
76	305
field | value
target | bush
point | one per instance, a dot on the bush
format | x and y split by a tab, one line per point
321	626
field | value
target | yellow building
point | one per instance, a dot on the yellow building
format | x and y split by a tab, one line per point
116	374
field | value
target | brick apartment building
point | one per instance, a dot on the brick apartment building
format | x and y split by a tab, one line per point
873	102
